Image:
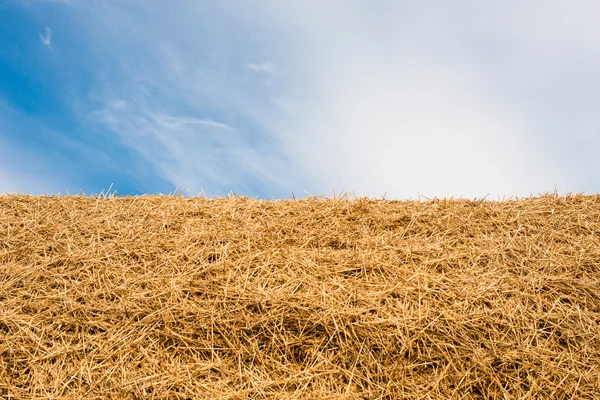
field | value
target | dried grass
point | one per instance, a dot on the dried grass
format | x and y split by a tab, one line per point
234	298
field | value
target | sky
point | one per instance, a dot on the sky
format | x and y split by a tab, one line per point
273	99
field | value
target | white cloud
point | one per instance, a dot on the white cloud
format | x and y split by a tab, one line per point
284	105
58	1
453	100
46	38
264	67
171	122
409	100
118	104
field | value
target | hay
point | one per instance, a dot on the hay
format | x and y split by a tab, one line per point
234	298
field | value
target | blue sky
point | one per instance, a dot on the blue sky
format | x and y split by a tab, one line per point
266	98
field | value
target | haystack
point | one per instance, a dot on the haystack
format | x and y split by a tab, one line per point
236	298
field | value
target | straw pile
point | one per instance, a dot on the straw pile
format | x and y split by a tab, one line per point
235	298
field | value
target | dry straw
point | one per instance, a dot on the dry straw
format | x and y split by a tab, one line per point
235	298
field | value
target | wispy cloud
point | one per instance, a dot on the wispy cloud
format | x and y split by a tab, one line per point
60	1
267	67
46	38
172	122
396	98
198	153
420	106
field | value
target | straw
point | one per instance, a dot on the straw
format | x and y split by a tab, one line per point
235	298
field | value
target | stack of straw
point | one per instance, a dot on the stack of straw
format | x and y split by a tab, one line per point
235	298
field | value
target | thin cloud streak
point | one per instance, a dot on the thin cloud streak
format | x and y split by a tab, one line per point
200	154
265	67
46	38
172	122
